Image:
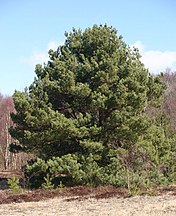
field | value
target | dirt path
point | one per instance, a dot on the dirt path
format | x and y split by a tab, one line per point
62	206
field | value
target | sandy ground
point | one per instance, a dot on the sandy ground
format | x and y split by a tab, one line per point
136	206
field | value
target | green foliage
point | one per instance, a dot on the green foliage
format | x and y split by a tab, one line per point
14	184
70	169
48	183
34	173
73	170
136	169
60	186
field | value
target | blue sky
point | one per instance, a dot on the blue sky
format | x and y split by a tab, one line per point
29	28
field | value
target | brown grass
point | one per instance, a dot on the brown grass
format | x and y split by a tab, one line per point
74	193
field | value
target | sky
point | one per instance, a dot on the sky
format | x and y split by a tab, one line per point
29	28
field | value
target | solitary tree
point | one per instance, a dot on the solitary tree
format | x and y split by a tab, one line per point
89	98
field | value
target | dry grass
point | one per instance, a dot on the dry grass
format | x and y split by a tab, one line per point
88	201
80	192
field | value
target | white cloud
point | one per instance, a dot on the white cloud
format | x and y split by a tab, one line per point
40	57
156	61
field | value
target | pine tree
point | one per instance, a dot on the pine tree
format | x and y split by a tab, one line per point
89	98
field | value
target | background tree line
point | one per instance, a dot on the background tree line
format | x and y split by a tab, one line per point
8	160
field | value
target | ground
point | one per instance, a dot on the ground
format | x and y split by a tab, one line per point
88	201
